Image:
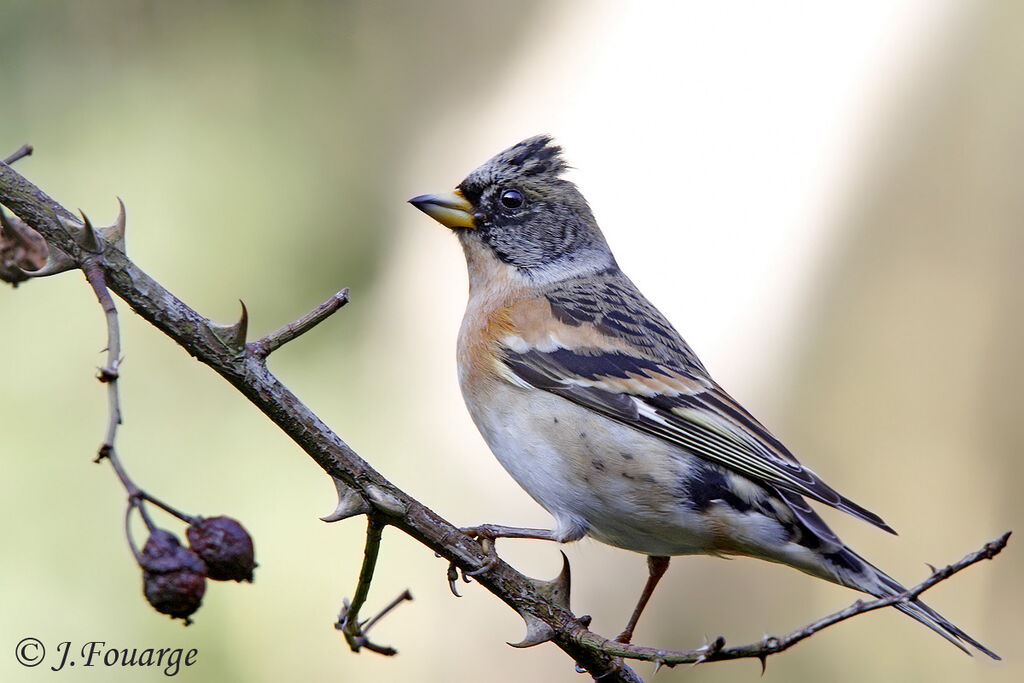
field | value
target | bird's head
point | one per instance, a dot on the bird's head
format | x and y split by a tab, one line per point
519	208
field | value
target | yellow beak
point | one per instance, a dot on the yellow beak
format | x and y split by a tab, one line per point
450	210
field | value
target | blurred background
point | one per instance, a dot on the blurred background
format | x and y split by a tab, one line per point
847	174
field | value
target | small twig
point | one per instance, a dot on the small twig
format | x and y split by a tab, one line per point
348	619
23	151
132	504
137	497
146	496
374	529
92	267
275	340
141	505
771	645
108	375
406	595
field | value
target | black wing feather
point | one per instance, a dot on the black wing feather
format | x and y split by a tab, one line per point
748	448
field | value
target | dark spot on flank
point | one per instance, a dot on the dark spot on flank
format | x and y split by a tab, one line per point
626	456
583	435
708	485
794	533
598	465
556	420
845	559
627	475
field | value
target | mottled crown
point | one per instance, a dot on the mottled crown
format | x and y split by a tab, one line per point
534	158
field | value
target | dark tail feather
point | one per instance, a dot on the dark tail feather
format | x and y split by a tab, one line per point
933	620
876	582
849	507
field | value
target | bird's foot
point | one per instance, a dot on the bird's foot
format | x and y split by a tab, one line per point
486	535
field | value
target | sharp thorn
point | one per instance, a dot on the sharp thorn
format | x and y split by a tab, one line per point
57	262
114	234
537	632
233	335
557	589
89	239
242	325
350	503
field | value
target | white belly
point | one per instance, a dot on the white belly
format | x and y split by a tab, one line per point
619	485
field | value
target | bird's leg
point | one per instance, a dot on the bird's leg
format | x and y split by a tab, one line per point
493	531
487	533
657	567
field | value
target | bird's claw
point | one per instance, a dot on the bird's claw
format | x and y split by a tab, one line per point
485	535
488	565
453	576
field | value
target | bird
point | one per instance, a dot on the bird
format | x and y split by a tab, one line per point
596	406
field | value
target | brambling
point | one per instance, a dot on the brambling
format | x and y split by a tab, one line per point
596	406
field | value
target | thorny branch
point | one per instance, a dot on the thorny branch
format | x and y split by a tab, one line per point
770	645
361	489
224	350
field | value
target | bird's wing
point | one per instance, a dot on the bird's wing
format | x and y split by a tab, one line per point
682	406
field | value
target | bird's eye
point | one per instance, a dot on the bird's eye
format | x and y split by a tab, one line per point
511	199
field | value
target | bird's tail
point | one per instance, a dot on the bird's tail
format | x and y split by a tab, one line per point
852	570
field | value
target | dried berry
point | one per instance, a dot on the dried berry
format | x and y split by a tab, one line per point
225	546
173	577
